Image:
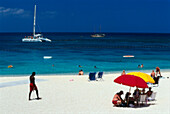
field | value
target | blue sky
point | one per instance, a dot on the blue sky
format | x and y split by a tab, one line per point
146	16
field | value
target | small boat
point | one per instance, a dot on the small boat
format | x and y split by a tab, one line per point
98	35
47	57
35	37
128	56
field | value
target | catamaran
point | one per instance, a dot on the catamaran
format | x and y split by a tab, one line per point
35	37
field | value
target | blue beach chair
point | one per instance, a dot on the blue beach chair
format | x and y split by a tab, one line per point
92	76
100	75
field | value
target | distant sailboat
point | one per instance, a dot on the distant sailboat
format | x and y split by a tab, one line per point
35	37
98	35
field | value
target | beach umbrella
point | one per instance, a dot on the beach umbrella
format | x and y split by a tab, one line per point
144	76
132	81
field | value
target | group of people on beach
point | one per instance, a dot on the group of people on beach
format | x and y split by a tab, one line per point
130	101
153	74
157	72
117	100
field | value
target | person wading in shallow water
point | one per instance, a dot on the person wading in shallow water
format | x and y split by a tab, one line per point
33	86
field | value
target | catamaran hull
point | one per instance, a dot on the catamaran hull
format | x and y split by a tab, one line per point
45	39
31	40
36	40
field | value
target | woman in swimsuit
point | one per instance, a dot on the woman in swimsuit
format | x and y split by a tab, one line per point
117	100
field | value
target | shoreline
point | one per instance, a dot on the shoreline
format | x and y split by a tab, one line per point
76	74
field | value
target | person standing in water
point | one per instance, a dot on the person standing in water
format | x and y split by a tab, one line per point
33	86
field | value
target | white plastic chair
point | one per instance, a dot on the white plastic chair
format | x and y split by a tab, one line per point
152	97
142	99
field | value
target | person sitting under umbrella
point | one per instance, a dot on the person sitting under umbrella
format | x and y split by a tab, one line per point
143	92
129	100
117	100
149	93
136	95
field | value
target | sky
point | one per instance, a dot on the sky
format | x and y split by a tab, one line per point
129	16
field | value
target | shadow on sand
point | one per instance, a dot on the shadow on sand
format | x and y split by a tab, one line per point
143	105
138	106
35	99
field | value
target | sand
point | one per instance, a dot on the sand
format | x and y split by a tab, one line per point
74	94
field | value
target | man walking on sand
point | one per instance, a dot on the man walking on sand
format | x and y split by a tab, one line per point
33	86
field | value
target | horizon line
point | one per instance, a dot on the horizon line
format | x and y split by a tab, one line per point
100	32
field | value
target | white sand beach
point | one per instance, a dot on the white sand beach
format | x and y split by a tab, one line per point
75	94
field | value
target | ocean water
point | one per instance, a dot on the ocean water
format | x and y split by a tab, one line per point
68	50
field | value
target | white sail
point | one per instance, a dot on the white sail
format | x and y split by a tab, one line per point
34	20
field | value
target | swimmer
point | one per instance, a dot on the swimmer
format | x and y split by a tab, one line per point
138	66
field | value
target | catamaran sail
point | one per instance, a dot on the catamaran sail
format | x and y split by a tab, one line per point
35	37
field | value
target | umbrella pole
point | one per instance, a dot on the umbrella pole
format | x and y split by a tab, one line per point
128	97
129	89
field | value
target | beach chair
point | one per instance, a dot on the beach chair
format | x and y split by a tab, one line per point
100	75
142	98
92	76
152	97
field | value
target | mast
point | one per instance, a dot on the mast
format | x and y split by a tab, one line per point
100	28
94	29
34	21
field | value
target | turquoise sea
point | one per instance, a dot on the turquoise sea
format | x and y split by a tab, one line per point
68	50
